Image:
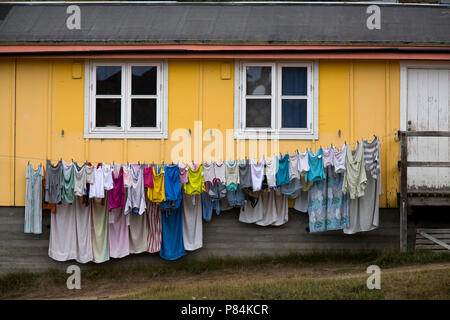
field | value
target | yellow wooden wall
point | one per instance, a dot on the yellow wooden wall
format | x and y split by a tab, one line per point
39	99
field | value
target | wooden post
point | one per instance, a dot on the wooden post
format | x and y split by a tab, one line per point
403	191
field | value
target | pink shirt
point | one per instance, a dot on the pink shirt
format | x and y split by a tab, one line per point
148	177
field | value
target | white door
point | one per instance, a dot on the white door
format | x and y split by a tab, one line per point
427	109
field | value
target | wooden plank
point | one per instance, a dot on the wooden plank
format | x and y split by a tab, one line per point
426	241
403	194
437	235
428	164
428	201
429	247
433	230
439	242
427	133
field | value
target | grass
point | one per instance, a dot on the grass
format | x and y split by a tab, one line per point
19	283
431	284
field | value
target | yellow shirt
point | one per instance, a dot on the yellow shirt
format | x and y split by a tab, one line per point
157	193
196	184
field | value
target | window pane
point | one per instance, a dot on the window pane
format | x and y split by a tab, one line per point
294	82
294	113
259	80
143	80
109	79
107	113
258	113
143	112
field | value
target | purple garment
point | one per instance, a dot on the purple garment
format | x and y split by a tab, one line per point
118	234
116	196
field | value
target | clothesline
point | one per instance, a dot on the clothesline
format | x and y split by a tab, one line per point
148	210
394	133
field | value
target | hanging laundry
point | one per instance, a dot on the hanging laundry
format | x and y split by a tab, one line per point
118	234
148	177
303	161
100	247
97	190
80	180
294	185
301	201
245	175
83	234
172	247
63	233
90	174
53	182
339	159
315	161
328	206
275	208
45	205
154	223
116	196
183	174
196	184
172	189
68	183
236	198
271	167
355	178
253	210
139	233
136	194
157	193
257	170
208	174
232	175
219	172
192	222
364	211
126	175
282	174
107	176
208	205
33	199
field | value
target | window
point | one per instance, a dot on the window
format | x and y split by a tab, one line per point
276	98
126	100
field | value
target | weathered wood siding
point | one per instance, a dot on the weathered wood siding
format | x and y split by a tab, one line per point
223	236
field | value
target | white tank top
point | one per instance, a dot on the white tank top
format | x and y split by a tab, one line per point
80	181
219	171
107	176
303	164
97	190
257	170
90	174
271	171
293	167
339	159
208	171
328	157
126	175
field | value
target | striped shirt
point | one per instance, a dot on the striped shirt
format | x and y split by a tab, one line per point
154	222
372	156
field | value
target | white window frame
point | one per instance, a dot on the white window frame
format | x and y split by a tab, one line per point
125	131
276	132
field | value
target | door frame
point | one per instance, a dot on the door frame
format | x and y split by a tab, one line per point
404	66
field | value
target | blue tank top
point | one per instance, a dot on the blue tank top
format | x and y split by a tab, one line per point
172	187
315	161
172	245
282	175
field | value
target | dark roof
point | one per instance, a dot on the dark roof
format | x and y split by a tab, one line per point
225	23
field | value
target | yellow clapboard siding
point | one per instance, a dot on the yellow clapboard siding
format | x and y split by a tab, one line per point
7	80
360	98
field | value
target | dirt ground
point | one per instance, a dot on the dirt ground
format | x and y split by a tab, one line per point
111	289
